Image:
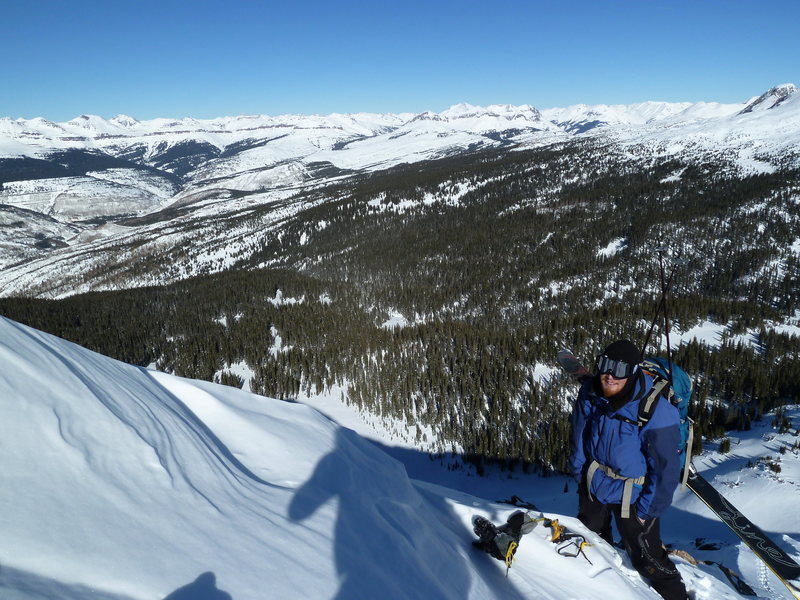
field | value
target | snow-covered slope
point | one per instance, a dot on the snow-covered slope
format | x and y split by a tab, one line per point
27	234
203	152
771	98
125	484
111	192
581	117
761	136
91	131
134	483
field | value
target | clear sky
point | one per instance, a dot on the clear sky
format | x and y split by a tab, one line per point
210	58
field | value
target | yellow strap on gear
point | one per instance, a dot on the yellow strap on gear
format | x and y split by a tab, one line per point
583	545
573	547
558	530
512	547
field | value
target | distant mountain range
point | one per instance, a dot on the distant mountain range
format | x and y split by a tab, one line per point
67	187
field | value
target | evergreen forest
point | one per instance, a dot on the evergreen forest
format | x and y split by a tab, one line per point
490	262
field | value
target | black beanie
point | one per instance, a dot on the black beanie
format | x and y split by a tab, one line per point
623	350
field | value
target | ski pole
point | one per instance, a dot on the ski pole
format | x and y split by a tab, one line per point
666	316
660	306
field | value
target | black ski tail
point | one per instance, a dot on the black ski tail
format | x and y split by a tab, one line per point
778	561
572	365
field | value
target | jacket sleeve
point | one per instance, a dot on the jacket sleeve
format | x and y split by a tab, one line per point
661	449
580	414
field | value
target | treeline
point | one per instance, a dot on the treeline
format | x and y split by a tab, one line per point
495	262
471	386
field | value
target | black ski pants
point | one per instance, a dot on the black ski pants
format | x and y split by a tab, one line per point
641	541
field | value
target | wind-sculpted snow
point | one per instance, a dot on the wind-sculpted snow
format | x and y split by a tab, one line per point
135	483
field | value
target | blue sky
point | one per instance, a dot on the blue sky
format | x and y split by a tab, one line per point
209	58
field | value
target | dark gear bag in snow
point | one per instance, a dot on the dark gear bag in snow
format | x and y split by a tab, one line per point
502	542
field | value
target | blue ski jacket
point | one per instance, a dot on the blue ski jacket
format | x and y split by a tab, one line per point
631	451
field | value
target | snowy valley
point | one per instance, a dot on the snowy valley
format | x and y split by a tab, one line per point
116	189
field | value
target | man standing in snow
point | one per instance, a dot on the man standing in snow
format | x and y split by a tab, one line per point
627	468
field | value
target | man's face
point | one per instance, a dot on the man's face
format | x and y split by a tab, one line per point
611	385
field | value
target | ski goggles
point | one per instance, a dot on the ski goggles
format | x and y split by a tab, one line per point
616	368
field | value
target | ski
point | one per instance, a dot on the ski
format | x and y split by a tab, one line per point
778	561
572	365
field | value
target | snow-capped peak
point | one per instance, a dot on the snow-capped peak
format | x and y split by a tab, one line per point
478	120
85	120
461	109
464	110
92	125
124	121
771	98
427	116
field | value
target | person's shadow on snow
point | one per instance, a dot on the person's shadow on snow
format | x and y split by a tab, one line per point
202	588
380	535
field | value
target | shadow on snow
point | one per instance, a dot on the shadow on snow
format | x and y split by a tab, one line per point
381	539
202	588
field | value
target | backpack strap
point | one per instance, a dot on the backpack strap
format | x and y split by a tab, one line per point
627	490
647	406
